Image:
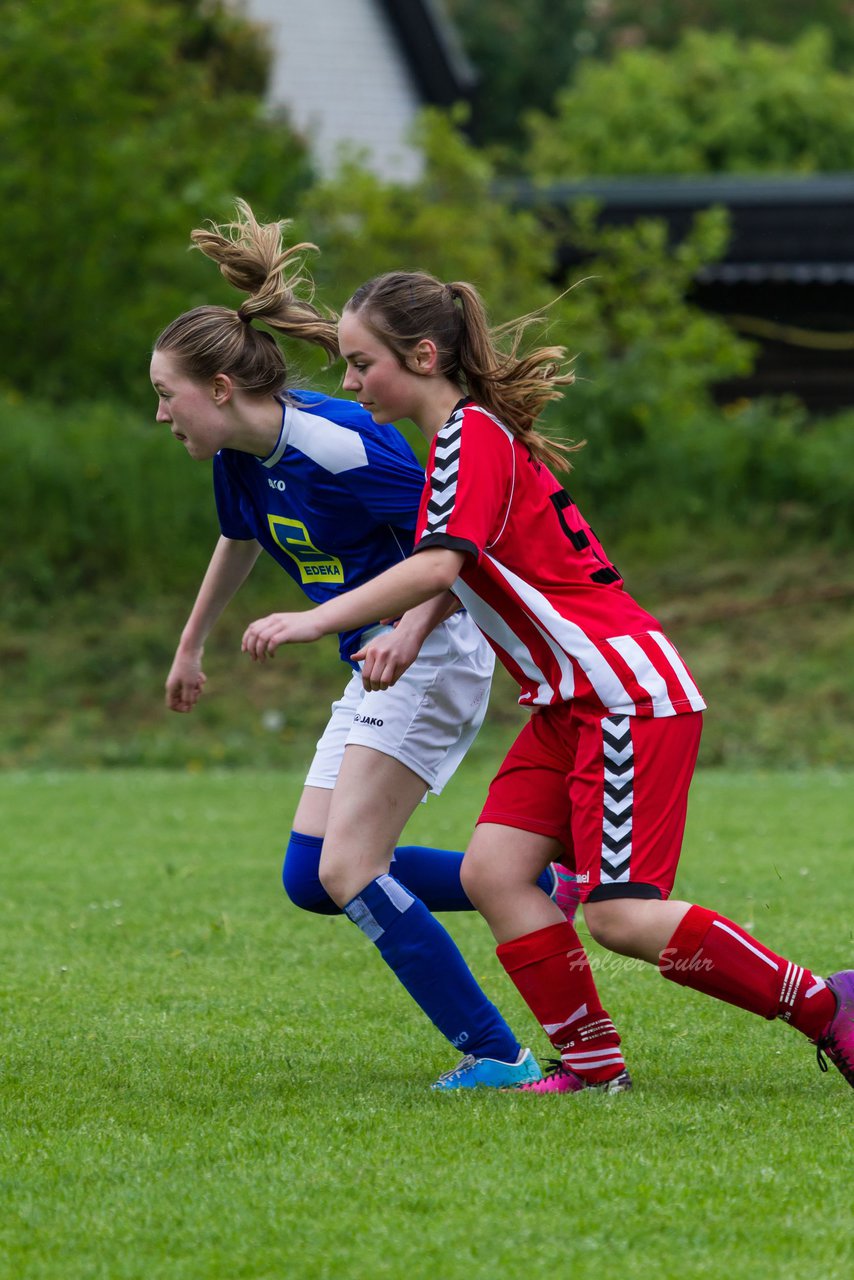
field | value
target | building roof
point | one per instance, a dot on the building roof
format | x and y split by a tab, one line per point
435	55
352	75
786	229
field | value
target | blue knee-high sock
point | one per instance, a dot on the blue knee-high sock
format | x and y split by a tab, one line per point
426	960
300	878
433	875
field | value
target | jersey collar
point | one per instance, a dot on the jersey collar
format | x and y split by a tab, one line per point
281	443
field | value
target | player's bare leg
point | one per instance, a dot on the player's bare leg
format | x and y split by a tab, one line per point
544	958
699	948
638	927
499	874
373	799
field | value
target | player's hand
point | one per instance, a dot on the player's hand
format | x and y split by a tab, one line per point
385	659
185	681
262	637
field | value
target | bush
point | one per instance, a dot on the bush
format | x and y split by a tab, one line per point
711	104
95	494
116	145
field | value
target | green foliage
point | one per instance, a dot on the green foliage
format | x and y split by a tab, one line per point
625	22
523	54
96	493
646	355
115	146
526	53
711	104
450	223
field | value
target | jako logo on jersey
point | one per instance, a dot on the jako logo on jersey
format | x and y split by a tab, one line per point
314	565
357	719
276	484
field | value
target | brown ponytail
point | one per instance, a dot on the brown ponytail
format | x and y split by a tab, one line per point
403	307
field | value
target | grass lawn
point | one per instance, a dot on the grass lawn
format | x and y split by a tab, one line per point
199	1081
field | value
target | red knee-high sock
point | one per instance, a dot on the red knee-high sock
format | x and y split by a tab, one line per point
715	956
551	971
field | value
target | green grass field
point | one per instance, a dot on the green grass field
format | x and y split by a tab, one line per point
199	1081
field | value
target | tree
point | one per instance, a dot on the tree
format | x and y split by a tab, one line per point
646	357
451	223
624	22
116	143
523	54
711	104
526	53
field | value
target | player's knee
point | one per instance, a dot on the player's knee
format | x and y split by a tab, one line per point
475	880
339	881
300	875
611	924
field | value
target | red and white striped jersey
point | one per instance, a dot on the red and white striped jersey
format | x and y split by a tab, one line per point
537	581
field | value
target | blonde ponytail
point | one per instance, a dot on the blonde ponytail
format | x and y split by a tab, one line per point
213	339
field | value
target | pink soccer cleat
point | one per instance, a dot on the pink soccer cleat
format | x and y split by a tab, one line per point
566	893
837	1043
559	1079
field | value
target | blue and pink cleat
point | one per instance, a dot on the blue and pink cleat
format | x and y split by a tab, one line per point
565	892
837	1043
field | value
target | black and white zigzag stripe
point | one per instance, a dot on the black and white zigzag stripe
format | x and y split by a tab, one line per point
443	477
618	798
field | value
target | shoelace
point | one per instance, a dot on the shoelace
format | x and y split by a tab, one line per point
828	1045
555	1066
464	1063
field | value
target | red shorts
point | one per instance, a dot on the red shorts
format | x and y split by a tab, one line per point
612	789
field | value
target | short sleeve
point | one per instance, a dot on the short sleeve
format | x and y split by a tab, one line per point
469	481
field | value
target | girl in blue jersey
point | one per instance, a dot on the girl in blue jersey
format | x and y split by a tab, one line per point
333	498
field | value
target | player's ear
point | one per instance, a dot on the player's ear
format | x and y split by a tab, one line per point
425	356
222	388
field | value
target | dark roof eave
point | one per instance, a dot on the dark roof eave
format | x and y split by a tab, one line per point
677	191
432	49
733	273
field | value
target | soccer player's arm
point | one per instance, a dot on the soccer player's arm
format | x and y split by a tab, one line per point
385	659
230	565
400	588
481	493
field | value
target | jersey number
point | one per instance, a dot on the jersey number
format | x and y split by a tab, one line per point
580	540
314	565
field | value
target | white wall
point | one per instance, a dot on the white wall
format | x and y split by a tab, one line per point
340	73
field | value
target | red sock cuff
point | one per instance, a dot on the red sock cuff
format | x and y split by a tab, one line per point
689	934
539	945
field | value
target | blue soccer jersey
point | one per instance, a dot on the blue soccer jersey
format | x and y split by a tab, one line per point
335	503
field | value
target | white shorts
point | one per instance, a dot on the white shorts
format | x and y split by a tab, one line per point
427	721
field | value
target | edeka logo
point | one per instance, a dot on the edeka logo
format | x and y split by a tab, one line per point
314	565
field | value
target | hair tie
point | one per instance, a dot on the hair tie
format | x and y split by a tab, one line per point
243	317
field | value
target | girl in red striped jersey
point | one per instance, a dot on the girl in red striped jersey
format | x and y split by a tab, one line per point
599	776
